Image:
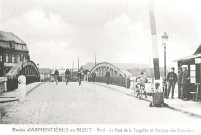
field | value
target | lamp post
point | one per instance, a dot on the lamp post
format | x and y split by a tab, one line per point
38	66
164	41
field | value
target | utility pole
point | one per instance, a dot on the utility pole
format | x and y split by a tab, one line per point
78	64
95	59
72	66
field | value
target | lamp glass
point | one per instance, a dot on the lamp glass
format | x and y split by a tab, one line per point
164	38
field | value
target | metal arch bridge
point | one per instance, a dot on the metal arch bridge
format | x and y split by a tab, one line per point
103	67
27	68
119	76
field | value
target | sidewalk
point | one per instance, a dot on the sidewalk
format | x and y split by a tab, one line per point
12	95
189	107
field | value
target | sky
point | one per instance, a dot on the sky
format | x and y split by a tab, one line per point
57	32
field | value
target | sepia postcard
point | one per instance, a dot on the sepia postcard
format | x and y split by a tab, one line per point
83	67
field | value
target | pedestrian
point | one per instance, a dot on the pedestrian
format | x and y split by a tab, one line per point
67	75
56	74
180	72
185	83
79	75
107	75
172	80
93	77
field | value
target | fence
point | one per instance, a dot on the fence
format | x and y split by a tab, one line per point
13	83
120	81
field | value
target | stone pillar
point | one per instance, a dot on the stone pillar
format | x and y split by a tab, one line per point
21	88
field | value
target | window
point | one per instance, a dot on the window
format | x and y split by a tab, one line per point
1	58
13	58
24	47
18	58
24	57
12	44
7	57
192	74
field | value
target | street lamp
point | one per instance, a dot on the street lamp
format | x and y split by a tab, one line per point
164	41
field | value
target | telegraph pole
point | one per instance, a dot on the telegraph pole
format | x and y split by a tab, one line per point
78	64
95	59
72	66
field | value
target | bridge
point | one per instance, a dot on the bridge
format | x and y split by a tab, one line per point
119	76
27	68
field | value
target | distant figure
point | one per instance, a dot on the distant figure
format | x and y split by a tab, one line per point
79	75
56	74
107	77
172	80
180	72
67	75
184	83
93	77
142	79
21	88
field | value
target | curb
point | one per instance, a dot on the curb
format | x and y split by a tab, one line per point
109	87
29	91
170	107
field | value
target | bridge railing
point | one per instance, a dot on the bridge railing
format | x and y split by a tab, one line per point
120	81
12	84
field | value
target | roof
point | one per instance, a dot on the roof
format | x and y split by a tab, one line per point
44	71
198	51
88	66
197	54
8	36
188	57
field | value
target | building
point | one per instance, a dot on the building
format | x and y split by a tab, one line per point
194	68
61	77
86	69
44	74
12	51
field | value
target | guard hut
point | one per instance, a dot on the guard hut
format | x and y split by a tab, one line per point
193	63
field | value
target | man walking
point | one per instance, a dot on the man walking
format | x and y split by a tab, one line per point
184	83
94	77
107	77
79	75
179	81
171	79
67	75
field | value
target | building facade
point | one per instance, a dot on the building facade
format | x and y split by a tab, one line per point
193	62
12	51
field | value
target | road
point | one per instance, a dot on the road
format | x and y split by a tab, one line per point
88	104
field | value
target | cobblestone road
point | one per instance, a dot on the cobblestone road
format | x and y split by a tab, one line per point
87	104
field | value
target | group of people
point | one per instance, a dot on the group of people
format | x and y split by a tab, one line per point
182	79
67	76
